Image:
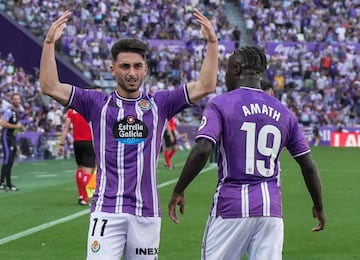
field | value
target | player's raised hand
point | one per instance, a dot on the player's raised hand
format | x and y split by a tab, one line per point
206	27
57	28
319	214
176	199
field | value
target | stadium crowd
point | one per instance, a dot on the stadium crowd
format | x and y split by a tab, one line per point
319	82
308	20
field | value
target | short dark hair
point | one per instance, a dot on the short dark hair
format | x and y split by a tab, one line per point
129	45
250	58
15	94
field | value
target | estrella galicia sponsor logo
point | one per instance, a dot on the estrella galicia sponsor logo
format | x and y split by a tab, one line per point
95	246
146	251
144	104
130	130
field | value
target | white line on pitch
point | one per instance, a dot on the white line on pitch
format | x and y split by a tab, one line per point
167	183
38	172
68	218
42	227
39	163
46	175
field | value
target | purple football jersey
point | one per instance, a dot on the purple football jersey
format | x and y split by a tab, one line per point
127	135
250	128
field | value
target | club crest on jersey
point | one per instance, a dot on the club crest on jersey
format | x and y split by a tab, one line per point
144	104
130	130
95	246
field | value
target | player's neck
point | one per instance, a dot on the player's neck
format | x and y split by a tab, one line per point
128	94
249	83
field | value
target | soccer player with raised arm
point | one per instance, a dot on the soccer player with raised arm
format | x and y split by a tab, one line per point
250	129
128	127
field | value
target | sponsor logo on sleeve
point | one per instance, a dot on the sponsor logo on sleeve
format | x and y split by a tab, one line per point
203	122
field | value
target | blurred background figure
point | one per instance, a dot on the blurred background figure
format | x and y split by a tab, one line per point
267	87
10	124
83	150
170	143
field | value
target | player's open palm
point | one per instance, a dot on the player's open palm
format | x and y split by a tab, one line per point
207	28
176	199
57	28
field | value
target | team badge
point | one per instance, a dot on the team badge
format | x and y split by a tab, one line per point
95	246
144	104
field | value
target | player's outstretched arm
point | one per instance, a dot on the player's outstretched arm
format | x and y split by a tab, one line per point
49	80
313	184
208	73
194	163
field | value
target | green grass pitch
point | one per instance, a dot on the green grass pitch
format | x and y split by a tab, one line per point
43	221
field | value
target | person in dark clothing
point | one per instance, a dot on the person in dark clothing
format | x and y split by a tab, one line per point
250	129
9	122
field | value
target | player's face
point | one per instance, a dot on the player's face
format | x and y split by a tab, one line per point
129	71
16	100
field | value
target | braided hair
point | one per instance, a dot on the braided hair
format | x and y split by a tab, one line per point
250	58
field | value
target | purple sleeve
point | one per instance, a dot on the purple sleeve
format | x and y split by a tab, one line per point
83	101
297	144
7	114
210	127
173	101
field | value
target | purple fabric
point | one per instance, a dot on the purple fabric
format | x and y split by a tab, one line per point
34	137
251	128
127	139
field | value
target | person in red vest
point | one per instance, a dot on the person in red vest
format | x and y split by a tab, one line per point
83	150
170	143
326	62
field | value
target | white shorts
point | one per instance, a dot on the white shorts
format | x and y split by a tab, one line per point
113	235
229	239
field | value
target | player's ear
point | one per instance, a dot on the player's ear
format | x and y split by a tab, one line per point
112	69
237	69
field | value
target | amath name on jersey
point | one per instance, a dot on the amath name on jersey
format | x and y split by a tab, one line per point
130	130
261	109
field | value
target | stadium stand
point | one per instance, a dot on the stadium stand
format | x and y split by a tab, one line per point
91	31
95	25
312	47
314	56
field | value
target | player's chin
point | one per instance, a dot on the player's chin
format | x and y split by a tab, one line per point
133	87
